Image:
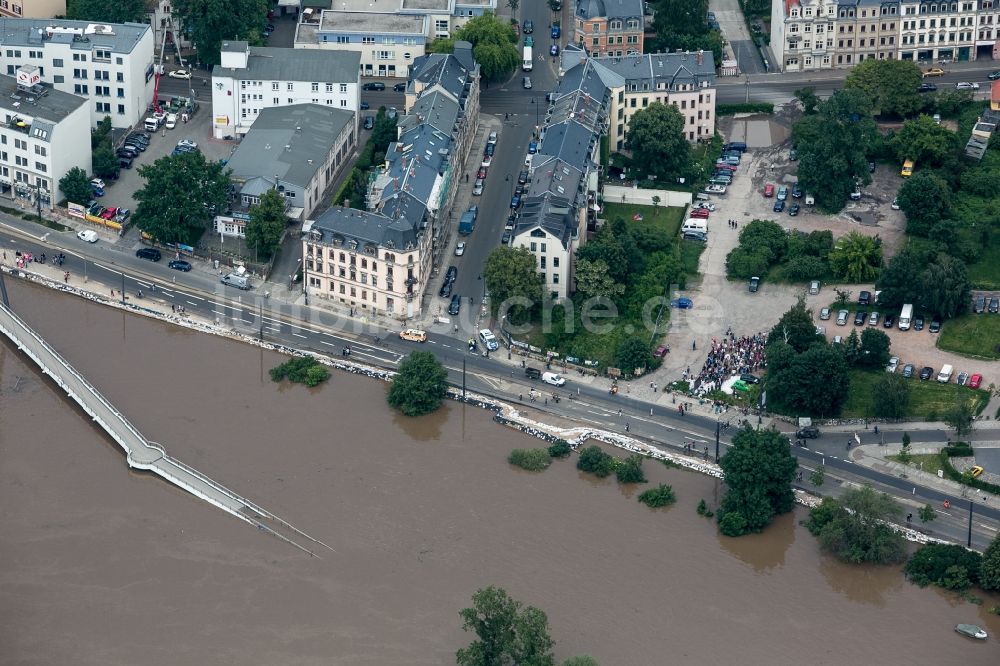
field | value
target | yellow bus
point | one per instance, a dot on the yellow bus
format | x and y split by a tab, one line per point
907	169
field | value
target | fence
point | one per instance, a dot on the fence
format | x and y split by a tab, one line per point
635	195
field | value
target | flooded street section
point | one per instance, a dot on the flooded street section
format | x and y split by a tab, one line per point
102	566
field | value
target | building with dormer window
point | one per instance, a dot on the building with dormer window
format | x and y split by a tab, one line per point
610	27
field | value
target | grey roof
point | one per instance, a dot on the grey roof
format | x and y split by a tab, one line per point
290	142
415	162
553	214
344	225
369	22
569	141
449	71
85	35
669	68
585	75
555	176
277	64
405	207
47	110
589	9
436	109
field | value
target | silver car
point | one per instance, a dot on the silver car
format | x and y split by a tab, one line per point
477	189
824	314
842	317
893	364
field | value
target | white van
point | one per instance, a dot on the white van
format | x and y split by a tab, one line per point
236	280
151	124
945	375
905	316
695	224
553	378
171	120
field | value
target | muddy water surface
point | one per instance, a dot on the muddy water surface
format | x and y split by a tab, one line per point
102	566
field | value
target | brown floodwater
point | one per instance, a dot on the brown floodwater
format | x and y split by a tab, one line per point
102	566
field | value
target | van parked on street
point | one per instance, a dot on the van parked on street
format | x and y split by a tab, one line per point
945	375
236	280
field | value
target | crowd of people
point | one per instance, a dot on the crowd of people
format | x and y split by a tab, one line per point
727	357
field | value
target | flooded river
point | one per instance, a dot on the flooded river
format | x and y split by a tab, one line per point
102	566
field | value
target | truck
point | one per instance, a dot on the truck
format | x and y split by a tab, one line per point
467	224
905	316
526	62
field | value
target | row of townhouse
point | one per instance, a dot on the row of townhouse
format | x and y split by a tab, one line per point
823	34
610	27
389	37
597	96
379	261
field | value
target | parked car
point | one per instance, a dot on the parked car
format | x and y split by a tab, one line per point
682	303
554	50
445	290
699	212
460	249
150	253
893	364
963	379
859	318
489	340
754	284
661	351
797	192
864	297
373	85
180	265
908	370
555	32
481	174
895	203
490	149
492	139
506	238
842	317
477	187
935	326
179	74
918	323
125	161
966	85
889	321
88	235
769	190
979	304
369	123
793	210
782	193
413	335
975	380
994	305
779	206
487	160
451	274
824	314
927	87
399	87
365	106
455	306
873	318
706	205
926	372
749	379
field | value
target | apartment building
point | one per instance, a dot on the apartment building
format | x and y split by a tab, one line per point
32	8
297	150
43	134
820	34
111	65
250	79
379	261
610	27
390	36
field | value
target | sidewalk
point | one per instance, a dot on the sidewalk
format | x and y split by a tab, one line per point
874	457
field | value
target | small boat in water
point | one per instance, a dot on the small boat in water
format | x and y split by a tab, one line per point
972	631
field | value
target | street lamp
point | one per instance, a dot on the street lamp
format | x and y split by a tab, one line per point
510	180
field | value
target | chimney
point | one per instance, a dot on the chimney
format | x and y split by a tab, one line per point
700	59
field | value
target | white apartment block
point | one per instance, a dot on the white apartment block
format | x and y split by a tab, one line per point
111	65
390	36
821	34
43	134
32	8
252	78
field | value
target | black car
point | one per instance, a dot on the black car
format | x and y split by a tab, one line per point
529	27
779	205
889	321
979	304
374	85
918	323
935	324
754	284
860	317
749	379
797	192
455	305
451	274
506	238
927	87
926	372
864	298
139	136
793	210
180	265
994	305
809	432
522	177
126	151
445	290
150	253
399	87
125	161
490	149
138	145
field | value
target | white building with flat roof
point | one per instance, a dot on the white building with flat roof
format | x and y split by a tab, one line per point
250	79
111	65
43	134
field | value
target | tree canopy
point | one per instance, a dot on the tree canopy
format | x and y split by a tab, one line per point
925	199
506	632
989	569
512	277
890	396
174	201
266	225
682	24
923	141
758	471
633	354
493	45
854	527
75	186
593	280
812	383
832	144
796	328
891	85
107	11
419	386
656	138
856	257
212	21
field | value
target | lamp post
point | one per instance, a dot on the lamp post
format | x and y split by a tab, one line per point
512	182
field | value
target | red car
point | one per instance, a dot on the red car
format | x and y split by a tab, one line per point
975	380
481	173
699	212
769	190
722	166
109	213
661	351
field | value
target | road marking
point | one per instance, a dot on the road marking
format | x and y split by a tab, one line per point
329	344
299	335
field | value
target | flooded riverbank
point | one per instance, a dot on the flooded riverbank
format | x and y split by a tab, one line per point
102	566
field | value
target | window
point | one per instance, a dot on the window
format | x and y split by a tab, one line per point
367	40
343	87
289	88
555	262
314	87
79	57
57	62
276	101
40	150
343	103
79	74
58	78
274	85
329	87
121	109
40	166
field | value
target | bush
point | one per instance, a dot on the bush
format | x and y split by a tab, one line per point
595	461
949	566
560	449
854	527
662	495
733	524
752	107
630	470
301	370
959	450
533	460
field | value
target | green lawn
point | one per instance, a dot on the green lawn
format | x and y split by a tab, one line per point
663	220
975	335
928	399
985	273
